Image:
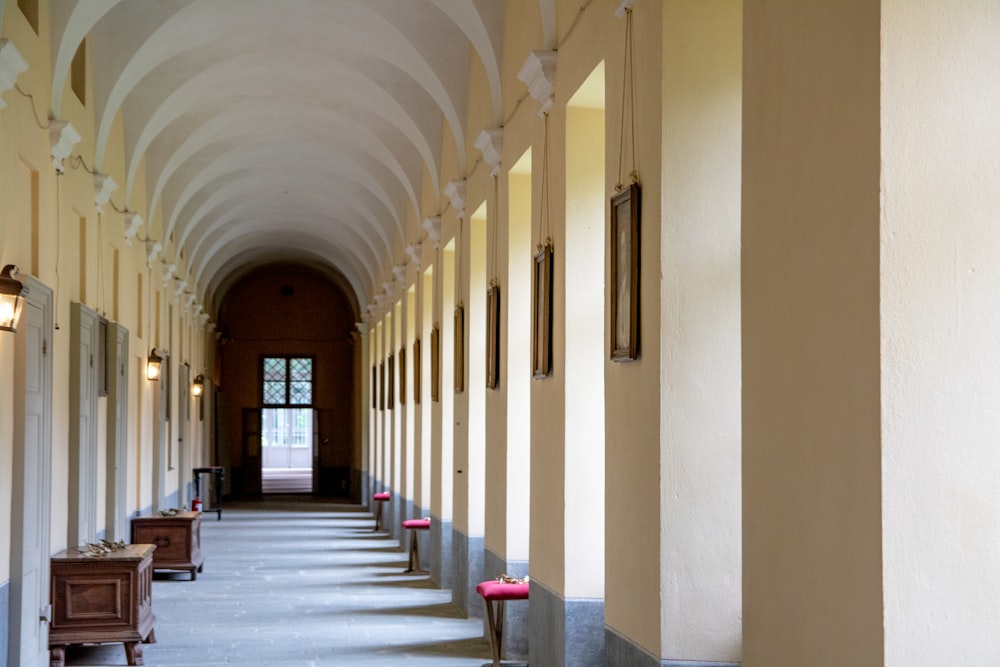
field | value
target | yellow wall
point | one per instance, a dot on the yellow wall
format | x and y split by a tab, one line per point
810	298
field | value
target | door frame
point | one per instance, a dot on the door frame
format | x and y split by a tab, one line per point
22	516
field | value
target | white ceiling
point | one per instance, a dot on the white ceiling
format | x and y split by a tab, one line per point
281	130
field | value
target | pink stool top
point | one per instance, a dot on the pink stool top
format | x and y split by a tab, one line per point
417	524
495	590
384	495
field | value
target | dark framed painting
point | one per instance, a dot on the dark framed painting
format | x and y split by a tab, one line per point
374	387
381	385
493	337
542	314
390	380
459	349
402	375
435	364
624	283
417	370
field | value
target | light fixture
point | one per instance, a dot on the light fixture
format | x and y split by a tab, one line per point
153	365
198	386
12	293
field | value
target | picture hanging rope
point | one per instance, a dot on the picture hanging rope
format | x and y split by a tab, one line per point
544	229
628	108
493	221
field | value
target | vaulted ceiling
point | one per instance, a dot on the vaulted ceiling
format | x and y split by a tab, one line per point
277	131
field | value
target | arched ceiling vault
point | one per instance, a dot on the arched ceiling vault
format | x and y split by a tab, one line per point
292	131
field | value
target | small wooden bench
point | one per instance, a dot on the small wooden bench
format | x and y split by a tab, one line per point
380	499
495	593
415	525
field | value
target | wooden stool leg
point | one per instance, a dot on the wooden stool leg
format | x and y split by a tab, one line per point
494	614
414	563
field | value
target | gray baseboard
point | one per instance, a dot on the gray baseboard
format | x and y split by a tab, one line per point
4	620
565	632
623	652
467	572
440	553
515	624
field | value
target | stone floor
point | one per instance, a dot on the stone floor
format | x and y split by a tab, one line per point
297	583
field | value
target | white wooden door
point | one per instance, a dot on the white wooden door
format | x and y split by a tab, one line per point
117	458
30	551
84	330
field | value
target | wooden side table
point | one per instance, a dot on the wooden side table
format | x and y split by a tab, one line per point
177	539
102	599
218	474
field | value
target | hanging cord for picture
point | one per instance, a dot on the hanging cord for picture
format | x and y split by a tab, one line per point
100	266
628	102
58	237
493	224
460	251
544	230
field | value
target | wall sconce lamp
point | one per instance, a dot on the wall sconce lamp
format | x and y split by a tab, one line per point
153	363
198	386
12	293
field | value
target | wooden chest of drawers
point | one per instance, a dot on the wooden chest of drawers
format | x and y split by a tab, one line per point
177	539
102	599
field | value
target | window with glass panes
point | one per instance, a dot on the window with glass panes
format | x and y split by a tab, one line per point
288	380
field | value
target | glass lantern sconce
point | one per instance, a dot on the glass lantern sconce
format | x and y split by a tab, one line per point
12	293
198	386
153	363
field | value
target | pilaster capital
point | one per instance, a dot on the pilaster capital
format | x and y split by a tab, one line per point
432	226
455	192
62	136
133	221
104	185
490	144
539	73
12	63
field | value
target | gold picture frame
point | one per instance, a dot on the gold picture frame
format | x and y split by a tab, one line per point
374	387
435	364
624	283
493	337
542	314
459	349
390	394
381	385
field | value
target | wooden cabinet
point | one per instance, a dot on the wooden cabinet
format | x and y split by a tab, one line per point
177	539
102	599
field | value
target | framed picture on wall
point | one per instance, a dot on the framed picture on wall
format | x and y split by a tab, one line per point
624	283
493	337
459	349
381	385
374	387
416	371
435	364
542	314
402	375
390	394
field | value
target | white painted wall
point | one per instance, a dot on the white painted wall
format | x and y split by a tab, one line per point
700	436
940	295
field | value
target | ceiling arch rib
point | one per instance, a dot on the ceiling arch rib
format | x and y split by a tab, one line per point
198	206
70	22
237	238
231	129
195	96
305	168
486	41
225	200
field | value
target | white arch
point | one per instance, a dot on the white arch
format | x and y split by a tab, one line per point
236	125
70	23
468	17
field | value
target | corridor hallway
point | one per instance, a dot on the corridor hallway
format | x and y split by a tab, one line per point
296	583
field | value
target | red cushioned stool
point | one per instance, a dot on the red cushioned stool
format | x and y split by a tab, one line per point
414	525
379	499
496	593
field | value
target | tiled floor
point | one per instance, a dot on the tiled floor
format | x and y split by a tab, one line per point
297	583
